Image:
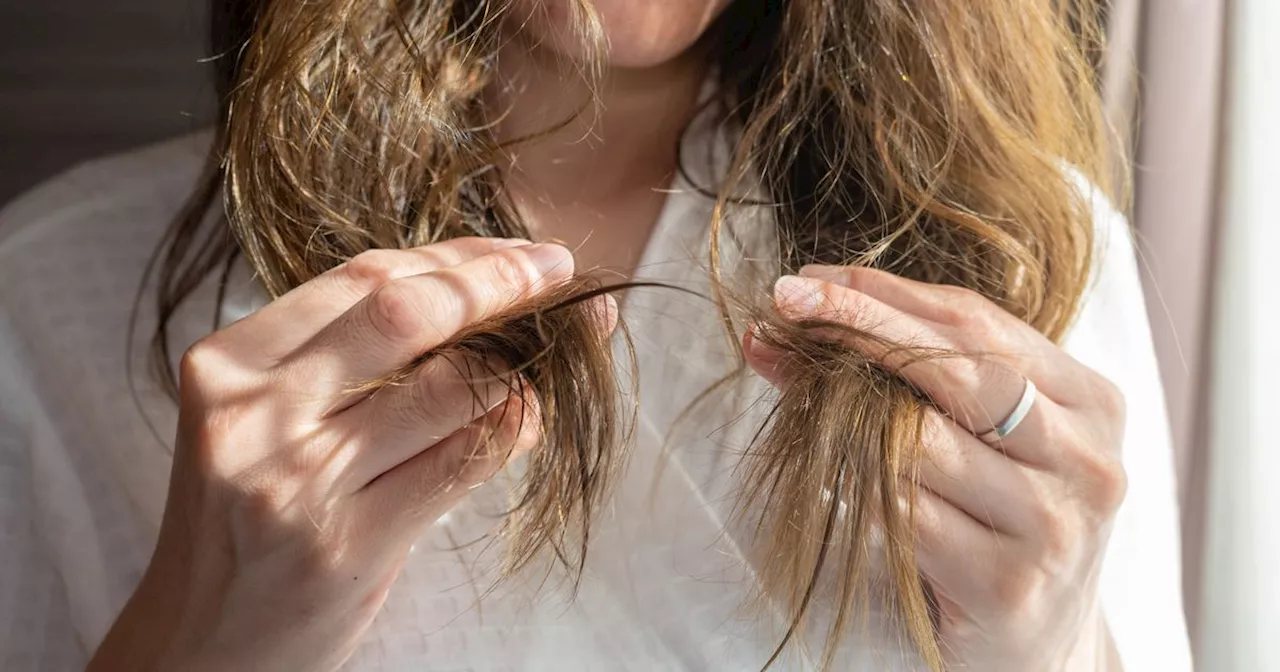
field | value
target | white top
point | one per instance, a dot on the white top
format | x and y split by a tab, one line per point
83	480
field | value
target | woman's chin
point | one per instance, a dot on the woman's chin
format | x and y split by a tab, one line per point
637	35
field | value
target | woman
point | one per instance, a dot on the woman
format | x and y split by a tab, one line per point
307	528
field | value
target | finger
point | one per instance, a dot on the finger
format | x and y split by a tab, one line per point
932	302
991	328
766	361
998	492
1029	448
607	313
444	395
958	555
978	390
408	317
289	321
421	489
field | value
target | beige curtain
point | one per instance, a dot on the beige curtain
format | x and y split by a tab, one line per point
1175	97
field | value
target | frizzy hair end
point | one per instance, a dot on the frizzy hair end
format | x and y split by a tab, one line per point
553	350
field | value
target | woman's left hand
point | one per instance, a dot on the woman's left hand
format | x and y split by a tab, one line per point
1011	533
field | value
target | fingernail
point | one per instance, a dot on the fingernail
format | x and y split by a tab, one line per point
764	359
549	256
798	295
834	274
504	243
610	313
604	310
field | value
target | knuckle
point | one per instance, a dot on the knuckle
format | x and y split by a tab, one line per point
447	387
1015	587
394	312
465	247
371	269
1054	523
200	364
858	278
1108	482
1041	511
437	387
436	391
512	269
443	385
963	374
1056	537
968	311
968	298
960	306
1109	399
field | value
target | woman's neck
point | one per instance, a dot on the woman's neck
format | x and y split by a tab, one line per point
592	173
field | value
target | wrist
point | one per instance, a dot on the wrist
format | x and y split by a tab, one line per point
148	632
141	636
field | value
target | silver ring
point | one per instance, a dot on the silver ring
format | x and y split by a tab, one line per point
1020	412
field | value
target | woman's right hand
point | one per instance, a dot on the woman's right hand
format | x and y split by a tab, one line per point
292	505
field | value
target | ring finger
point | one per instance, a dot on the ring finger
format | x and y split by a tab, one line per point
978	390
979	481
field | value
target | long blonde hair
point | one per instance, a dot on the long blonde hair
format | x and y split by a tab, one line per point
929	138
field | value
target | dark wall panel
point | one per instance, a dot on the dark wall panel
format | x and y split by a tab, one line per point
82	78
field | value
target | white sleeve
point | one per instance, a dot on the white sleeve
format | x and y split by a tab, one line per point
36	631
1141	585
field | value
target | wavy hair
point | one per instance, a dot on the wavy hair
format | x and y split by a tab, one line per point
928	138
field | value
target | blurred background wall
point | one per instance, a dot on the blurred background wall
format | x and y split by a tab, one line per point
81	78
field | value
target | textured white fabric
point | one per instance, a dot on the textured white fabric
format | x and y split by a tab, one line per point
83	478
